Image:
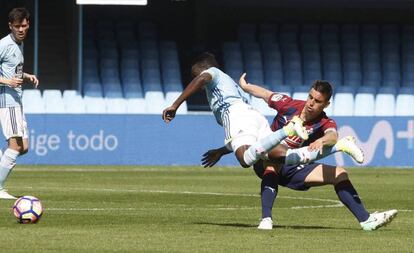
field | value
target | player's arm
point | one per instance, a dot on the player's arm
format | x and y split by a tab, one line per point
211	157
13	82
196	84
254	89
328	139
31	78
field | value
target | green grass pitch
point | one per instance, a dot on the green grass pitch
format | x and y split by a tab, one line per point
192	209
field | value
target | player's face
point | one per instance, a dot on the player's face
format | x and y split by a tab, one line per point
196	70
315	104
19	29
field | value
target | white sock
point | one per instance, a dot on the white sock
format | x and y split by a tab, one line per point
259	149
303	155
7	163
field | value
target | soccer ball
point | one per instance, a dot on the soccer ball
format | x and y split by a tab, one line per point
27	209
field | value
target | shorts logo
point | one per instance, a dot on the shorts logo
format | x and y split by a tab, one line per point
277	97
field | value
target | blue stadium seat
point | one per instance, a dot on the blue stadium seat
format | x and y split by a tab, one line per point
247	32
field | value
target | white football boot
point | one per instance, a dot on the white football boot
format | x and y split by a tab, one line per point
377	220
266	224
348	146
5	195
295	128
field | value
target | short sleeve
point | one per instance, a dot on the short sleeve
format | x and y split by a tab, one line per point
277	101
213	73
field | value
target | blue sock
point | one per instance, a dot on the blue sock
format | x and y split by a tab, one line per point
349	197
268	193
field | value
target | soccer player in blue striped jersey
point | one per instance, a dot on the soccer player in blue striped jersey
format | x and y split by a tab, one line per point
12	76
247	132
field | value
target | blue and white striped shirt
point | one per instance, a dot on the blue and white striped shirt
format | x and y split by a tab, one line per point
11	65
222	92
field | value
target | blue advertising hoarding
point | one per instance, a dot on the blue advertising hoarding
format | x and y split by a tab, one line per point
147	140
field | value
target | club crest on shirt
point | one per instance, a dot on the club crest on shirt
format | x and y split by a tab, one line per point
277	97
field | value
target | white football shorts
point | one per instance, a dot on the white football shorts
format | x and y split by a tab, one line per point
13	122
243	125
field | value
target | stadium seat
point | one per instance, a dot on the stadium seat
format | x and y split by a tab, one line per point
343	102
68	94
154	102
365	101
94	104
300	92
171	96
135	105
32	101
385	101
74	104
116	105
404	104
53	101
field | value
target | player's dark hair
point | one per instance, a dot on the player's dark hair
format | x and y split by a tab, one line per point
206	60
323	87
19	14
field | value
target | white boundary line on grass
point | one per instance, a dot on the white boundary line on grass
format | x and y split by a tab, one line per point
336	203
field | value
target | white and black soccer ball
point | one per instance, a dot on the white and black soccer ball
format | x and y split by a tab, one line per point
27	209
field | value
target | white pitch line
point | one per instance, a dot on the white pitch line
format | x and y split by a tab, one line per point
337	203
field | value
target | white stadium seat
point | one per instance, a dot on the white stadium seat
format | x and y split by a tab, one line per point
404	103
344	104
53	101
135	105
385	105
171	96
75	104
68	94
364	103
32	101
95	104
116	105
154	102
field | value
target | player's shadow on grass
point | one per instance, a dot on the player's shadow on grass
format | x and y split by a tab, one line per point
242	225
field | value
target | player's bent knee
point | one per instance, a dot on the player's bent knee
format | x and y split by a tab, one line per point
341	174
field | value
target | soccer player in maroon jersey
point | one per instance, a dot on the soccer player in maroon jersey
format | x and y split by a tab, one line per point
323	140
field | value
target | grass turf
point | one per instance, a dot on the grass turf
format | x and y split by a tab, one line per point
190	209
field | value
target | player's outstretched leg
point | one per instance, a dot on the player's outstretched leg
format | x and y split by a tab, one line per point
7	162
263	146
346	145
378	219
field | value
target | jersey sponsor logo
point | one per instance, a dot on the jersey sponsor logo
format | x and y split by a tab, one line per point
277	97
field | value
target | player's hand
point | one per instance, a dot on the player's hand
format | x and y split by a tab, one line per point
15	82
316	146
169	113
33	79
211	157
242	82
